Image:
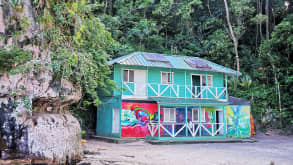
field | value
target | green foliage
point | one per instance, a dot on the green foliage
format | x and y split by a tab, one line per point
199	28
83	35
81	45
12	58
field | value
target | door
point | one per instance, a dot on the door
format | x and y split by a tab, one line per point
116	120
140	82
196	83
220	119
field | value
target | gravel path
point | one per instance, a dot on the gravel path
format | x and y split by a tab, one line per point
269	150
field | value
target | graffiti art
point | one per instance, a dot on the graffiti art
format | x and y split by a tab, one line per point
238	121
135	117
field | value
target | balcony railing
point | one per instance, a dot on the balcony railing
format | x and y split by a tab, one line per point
173	91
191	129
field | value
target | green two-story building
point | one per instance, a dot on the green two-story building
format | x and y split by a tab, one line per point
171	97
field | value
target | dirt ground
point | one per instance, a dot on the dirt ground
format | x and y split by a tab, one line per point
269	150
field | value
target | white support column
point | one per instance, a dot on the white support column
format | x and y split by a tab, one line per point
159	118
199	120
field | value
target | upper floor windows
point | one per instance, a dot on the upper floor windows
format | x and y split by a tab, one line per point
166	77
128	75
209	80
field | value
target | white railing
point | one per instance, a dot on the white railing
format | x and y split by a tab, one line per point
172	129
175	91
173	133
213	129
153	128
130	89
193	128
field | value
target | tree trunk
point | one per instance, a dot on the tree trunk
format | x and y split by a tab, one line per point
235	41
208	5
260	24
268	20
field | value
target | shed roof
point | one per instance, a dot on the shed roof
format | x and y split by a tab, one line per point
173	61
237	101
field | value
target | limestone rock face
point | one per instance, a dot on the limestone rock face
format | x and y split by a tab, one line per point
57	136
34	120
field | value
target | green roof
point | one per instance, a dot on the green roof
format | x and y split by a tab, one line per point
184	101
173	61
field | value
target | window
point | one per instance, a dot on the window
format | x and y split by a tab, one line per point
169	115
209	80
195	115
166	77
128	75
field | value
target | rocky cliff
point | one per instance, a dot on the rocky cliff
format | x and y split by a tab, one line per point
34	120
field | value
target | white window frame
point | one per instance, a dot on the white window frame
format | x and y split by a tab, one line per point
202	115
168	73
168	110
203	79
193	110
211	81
128	75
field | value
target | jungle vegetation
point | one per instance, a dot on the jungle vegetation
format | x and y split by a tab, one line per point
252	36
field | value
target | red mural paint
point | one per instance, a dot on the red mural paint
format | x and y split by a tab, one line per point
135	118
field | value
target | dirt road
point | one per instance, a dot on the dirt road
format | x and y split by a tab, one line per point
269	150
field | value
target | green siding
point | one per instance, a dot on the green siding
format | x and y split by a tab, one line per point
105	116
154	78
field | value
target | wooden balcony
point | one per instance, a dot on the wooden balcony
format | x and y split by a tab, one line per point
134	90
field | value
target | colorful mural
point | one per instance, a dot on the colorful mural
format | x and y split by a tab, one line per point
238	121
135	117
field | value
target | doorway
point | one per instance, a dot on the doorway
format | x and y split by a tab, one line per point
140	82
116	121
196	84
219	119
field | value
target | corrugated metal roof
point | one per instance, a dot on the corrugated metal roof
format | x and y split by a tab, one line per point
177	62
237	101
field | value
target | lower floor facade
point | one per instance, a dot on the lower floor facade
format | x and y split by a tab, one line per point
173	119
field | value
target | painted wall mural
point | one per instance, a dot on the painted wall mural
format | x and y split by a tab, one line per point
135	117
238	121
